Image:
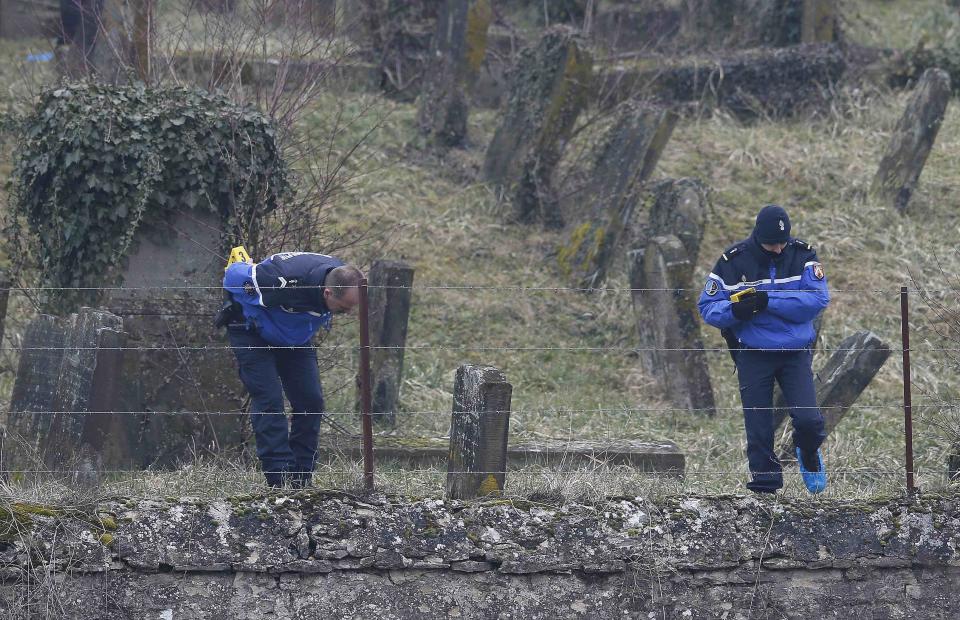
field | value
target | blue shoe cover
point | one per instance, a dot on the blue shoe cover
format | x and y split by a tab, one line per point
816	481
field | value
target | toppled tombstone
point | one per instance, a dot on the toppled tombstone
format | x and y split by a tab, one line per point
912	140
840	382
459	47
66	383
663	26
631	150
667	324
550	85
762	82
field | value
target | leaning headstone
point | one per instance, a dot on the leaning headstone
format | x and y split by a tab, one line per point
676	207
62	375
912	140
479	428
845	376
390	285
631	150
459	46
669	334
550	85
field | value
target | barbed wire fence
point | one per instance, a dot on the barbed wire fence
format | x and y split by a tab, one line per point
907	470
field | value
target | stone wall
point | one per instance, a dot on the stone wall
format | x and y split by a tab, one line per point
324	555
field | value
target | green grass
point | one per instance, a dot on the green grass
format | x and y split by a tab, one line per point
453	230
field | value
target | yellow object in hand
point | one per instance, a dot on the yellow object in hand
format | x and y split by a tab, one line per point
741	294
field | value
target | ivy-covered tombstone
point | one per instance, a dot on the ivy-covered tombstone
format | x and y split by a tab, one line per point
129	198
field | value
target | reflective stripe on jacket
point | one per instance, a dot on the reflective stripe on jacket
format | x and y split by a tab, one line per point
283	295
795	283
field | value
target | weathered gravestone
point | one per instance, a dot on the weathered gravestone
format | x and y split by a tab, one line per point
5	285
479	428
185	373
390	285
20	19
459	47
105	38
912	140
840	382
667	323
762	82
819	21
550	85
631	150
712	24
67	383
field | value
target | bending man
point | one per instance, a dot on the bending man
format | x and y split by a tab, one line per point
282	302
764	294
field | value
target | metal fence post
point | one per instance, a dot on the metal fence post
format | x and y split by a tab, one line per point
907	406
365	400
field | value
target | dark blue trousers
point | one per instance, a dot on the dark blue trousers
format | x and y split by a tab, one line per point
285	448
757	371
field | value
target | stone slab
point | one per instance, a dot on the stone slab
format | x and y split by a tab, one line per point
652	456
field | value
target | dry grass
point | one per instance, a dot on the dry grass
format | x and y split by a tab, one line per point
452	230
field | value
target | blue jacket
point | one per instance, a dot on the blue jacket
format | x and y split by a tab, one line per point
794	281
282	297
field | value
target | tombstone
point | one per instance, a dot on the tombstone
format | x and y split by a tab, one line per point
217	6
97	38
912	140
23	19
171	279
459	47
749	84
550	85
631	150
66	382
819	21
668	325
479	428
676	207
407	28
5	285
840	382
390	285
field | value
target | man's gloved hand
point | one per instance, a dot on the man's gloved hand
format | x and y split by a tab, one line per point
750	306
229	312
744	309
762	299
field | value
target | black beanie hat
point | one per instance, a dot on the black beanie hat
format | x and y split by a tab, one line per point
773	225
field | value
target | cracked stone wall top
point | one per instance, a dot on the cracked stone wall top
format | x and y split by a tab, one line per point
690	546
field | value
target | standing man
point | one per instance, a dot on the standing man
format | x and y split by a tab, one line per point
274	310
764	294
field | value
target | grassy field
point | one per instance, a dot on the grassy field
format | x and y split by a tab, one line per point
453	230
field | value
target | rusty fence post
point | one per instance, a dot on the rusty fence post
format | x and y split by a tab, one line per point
907	405
365	400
